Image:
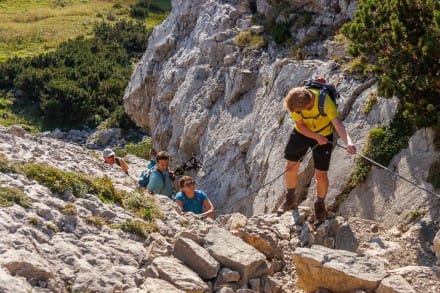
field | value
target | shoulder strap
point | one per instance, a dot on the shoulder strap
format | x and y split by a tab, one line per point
321	102
161	175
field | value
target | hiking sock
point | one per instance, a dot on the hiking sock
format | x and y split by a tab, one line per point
290	190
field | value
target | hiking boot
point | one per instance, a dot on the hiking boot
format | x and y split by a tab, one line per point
320	211
289	203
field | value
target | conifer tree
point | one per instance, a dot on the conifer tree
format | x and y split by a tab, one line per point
400	43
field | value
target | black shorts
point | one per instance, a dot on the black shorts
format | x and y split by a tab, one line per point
298	145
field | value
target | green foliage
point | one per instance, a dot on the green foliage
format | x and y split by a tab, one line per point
52	227
434	174
6	166
414	215
247	41
280	32
83	81
119	119
95	221
384	143
369	103
11	195
140	149
56	180
79	185
34	221
69	209
400	41
142	206
138	227
8	117
142	8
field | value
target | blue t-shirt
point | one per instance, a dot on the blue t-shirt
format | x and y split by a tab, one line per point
156	183
194	204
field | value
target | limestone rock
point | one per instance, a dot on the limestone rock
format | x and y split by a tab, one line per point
234	253
152	285
336	270
173	271
264	241
16	130
24	264
421	278
196	257
383	193
394	284
12	284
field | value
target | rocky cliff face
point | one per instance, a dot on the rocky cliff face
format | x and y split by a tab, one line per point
47	247
195	90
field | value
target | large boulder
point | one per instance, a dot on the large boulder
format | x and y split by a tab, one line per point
234	253
336	270
196	257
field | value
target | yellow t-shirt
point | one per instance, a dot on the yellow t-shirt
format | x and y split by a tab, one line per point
313	120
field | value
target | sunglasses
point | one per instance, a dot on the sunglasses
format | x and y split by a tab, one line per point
189	184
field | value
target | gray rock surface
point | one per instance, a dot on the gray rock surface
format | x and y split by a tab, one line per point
173	271
234	253
336	270
394	284
196	257
204	95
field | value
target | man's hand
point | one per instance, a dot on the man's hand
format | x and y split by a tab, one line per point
322	140
351	149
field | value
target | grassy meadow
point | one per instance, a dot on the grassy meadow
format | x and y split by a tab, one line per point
38	30
32	27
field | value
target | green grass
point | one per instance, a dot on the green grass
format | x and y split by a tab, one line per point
29	28
248	41
142	206
140	149
96	221
78	184
138	227
11	195
69	209
9	116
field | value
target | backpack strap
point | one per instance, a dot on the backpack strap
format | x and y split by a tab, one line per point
163	178
321	101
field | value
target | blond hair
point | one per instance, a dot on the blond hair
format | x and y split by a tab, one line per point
297	99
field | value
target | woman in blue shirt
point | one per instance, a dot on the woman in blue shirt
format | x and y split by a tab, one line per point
191	200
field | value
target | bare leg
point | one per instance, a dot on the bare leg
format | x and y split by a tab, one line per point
321	183
292	174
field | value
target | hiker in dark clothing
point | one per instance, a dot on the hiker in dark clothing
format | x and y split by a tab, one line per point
110	158
312	130
189	199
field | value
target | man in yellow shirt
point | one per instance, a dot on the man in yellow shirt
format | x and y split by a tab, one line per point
312	130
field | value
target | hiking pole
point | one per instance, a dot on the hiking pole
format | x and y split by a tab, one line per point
392	172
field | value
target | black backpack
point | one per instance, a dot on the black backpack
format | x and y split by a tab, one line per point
324	89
